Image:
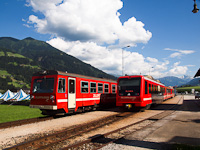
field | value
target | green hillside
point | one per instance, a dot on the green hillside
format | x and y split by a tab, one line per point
15	70
21	58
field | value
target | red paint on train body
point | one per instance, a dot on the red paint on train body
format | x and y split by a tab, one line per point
141	91
59	92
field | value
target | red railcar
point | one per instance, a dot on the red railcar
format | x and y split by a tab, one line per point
59	92
141	91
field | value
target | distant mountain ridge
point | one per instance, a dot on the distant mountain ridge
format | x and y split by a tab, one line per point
183	81
194	82
186	78
45	57
172	81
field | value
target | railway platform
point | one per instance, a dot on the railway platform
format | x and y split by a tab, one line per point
181	127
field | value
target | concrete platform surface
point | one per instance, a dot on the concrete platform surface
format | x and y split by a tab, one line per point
182	127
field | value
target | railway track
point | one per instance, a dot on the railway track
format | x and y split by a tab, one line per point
102	140
73	138
47	142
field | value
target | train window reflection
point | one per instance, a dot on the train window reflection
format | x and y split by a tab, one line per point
84	87
61	85
129	87
44	85
106	88
113	89
92	87
100	88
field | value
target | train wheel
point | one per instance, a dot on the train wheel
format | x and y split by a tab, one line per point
145	108
148	106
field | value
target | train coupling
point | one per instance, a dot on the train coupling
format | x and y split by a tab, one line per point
128	106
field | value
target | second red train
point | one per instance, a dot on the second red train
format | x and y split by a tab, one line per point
141	91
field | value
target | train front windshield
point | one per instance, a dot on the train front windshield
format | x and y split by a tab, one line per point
129	87
43	85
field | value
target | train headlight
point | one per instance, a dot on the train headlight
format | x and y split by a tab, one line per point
52	98
129	106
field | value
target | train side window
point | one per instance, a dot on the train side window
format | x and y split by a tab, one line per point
149	88
106	88
146	88
154	88
100	87
71	86
61	85
93	88
113	89
84	87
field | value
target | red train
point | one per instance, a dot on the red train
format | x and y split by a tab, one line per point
141	91
59	92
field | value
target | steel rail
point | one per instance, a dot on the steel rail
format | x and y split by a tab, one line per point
48	141
101	140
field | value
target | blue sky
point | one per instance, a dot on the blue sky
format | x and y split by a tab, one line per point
163	35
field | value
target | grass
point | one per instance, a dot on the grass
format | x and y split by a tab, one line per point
182	89
13	63
2	53
14	55
18	84
4	72
15	112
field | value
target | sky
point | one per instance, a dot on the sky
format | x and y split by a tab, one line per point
149	37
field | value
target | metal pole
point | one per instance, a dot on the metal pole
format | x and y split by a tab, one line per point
123	58
122	62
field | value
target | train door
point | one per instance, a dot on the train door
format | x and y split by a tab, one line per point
71	93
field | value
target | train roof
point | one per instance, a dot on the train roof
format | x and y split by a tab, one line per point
55	72
147	77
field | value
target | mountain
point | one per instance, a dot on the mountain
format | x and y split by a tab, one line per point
183	81
186	78
172	81
39	55
15	70
194	82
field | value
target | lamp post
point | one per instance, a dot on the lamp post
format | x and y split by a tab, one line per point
195	10
123	58
150	70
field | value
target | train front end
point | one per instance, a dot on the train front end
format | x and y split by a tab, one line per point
131	92
43	92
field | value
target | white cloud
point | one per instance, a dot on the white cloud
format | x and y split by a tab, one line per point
178	70
87	20
82	28
152	60
110	60
178	53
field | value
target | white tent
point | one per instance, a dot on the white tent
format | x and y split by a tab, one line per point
25	98
7	95
18	96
